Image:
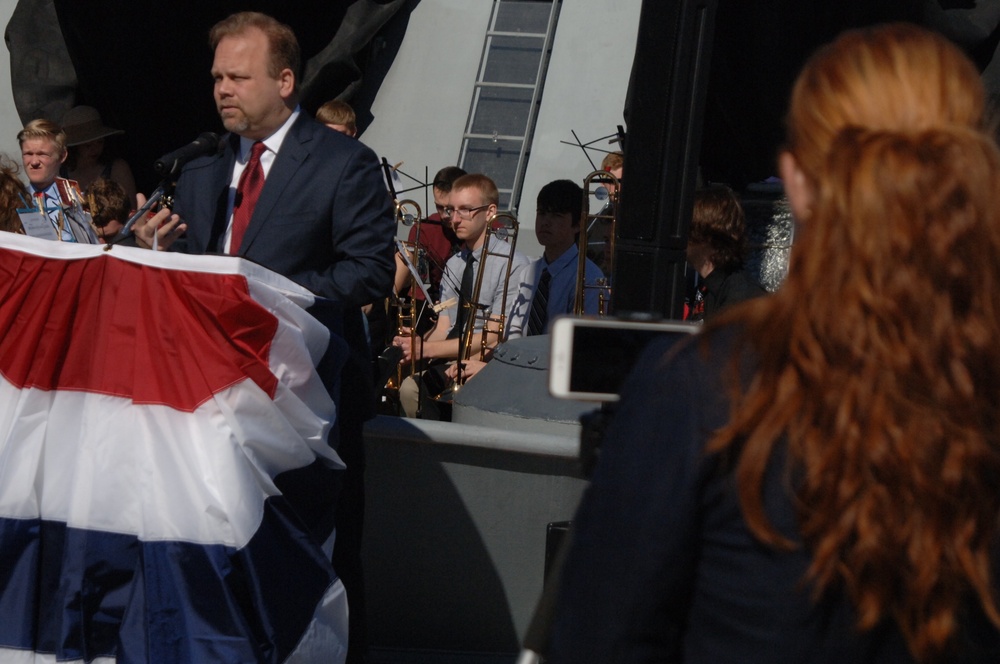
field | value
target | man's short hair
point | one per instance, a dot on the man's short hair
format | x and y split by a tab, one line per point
107	201
612	160
336	112
284	47
561	196
42	128
487	188
719	223
444	179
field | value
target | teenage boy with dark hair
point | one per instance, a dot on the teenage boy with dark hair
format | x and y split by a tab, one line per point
548	287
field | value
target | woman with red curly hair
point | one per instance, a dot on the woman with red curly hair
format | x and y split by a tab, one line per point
13	195
817	477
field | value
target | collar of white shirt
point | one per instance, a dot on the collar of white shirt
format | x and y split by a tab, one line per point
272	143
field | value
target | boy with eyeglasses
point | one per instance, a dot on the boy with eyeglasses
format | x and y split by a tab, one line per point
473	203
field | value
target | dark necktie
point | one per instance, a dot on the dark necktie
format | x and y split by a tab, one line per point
539	314
247	193
465	297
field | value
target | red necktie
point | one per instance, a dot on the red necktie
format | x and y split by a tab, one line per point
247	193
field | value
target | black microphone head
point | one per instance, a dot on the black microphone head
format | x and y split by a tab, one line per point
171	164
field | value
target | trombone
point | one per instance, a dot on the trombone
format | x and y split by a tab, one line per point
592	184
408	213
500	242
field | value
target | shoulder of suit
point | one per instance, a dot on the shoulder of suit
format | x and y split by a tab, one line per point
310	126
202	163
228	140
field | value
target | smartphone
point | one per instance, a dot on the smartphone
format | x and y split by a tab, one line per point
590	357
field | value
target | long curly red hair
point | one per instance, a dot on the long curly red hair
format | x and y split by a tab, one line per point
879	365
13	195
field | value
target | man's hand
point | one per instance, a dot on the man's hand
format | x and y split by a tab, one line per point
160	230
403	340
469	369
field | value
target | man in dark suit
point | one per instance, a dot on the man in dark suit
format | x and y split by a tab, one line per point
323	218
304	201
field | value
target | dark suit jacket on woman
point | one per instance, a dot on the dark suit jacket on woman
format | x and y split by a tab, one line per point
663	567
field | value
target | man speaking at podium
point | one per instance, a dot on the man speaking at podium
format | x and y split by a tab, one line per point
304	201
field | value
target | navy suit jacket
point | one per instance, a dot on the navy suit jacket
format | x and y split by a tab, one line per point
323	219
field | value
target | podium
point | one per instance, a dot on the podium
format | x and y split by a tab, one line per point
148	403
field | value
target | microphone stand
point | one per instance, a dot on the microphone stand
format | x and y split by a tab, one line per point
159	193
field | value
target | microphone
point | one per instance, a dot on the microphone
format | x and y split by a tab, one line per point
601	193
171	163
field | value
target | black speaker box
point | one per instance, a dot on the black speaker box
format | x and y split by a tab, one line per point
664	111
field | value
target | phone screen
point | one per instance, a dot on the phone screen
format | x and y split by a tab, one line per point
592	357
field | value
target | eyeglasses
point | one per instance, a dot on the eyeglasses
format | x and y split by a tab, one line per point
463	212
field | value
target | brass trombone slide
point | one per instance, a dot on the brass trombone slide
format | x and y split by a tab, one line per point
608	213
502	227
408	213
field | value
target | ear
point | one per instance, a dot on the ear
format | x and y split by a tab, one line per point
286	83
64	156
797	186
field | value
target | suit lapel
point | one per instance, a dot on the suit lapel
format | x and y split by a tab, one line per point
290	158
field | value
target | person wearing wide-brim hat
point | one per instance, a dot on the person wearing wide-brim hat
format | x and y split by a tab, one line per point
88	159
82	124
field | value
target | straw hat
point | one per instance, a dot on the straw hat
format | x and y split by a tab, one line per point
82	124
